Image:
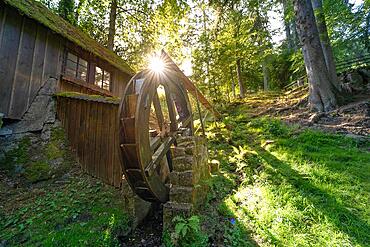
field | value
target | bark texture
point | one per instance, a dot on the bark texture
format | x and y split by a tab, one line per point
232	83
322	96
112	24
265	75
367	33
325	42
288	33
240	79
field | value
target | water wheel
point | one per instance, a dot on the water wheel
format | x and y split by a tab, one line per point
154	111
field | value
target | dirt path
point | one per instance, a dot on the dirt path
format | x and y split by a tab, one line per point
352	119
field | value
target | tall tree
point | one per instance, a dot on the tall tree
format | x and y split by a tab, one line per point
325	42
366	32
287	23
112	24
240	78
322	93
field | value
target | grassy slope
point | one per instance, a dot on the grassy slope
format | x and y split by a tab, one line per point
56	206
82	212
307	188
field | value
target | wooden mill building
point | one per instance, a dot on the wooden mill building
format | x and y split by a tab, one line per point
38	49
36	45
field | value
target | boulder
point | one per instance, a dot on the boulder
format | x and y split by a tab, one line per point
365	73
354	80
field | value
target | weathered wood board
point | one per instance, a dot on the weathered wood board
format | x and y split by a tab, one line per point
91	128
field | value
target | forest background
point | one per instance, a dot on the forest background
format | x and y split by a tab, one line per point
227	47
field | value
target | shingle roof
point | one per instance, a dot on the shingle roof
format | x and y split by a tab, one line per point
43	15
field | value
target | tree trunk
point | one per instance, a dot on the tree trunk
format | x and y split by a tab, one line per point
240	80
265	75
288	32
322	93
232	83
207	45
112	24
325	42
367	33
295	36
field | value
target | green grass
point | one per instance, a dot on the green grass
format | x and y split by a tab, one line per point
55	204
302	188
83	212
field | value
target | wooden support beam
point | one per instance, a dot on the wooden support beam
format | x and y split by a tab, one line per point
189	85
158	155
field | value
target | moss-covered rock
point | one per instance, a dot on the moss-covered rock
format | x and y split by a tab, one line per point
38	171
33	160
54	149
16	157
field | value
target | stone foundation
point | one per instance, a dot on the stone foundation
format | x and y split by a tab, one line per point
188	180
37	123
135	207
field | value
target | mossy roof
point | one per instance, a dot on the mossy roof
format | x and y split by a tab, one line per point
89	97
43	15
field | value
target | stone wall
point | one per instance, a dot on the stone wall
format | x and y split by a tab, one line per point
37	123
39	116
35	148
188	180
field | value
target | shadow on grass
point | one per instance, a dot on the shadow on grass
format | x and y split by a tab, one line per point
228	230
346	156
346	221
336	154
221	221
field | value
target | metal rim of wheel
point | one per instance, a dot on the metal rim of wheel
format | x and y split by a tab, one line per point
145	152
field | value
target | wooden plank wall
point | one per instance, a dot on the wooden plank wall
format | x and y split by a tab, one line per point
91	128
120	80
29	55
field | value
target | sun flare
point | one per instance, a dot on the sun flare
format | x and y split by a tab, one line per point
156	64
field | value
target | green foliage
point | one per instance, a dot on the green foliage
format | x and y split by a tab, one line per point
306	188
66	10
268	127
64	215
234	237
187	233
16	156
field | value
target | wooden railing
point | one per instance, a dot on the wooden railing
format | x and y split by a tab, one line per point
91	127
360	61
341	66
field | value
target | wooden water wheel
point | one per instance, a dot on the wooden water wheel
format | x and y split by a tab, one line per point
154	111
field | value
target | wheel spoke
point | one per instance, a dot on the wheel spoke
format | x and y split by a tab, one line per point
171	110
158	110
158	155
155	142
186	122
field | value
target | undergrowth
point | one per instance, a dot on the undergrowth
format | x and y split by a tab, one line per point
187	233
82	212
281	185
45	201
